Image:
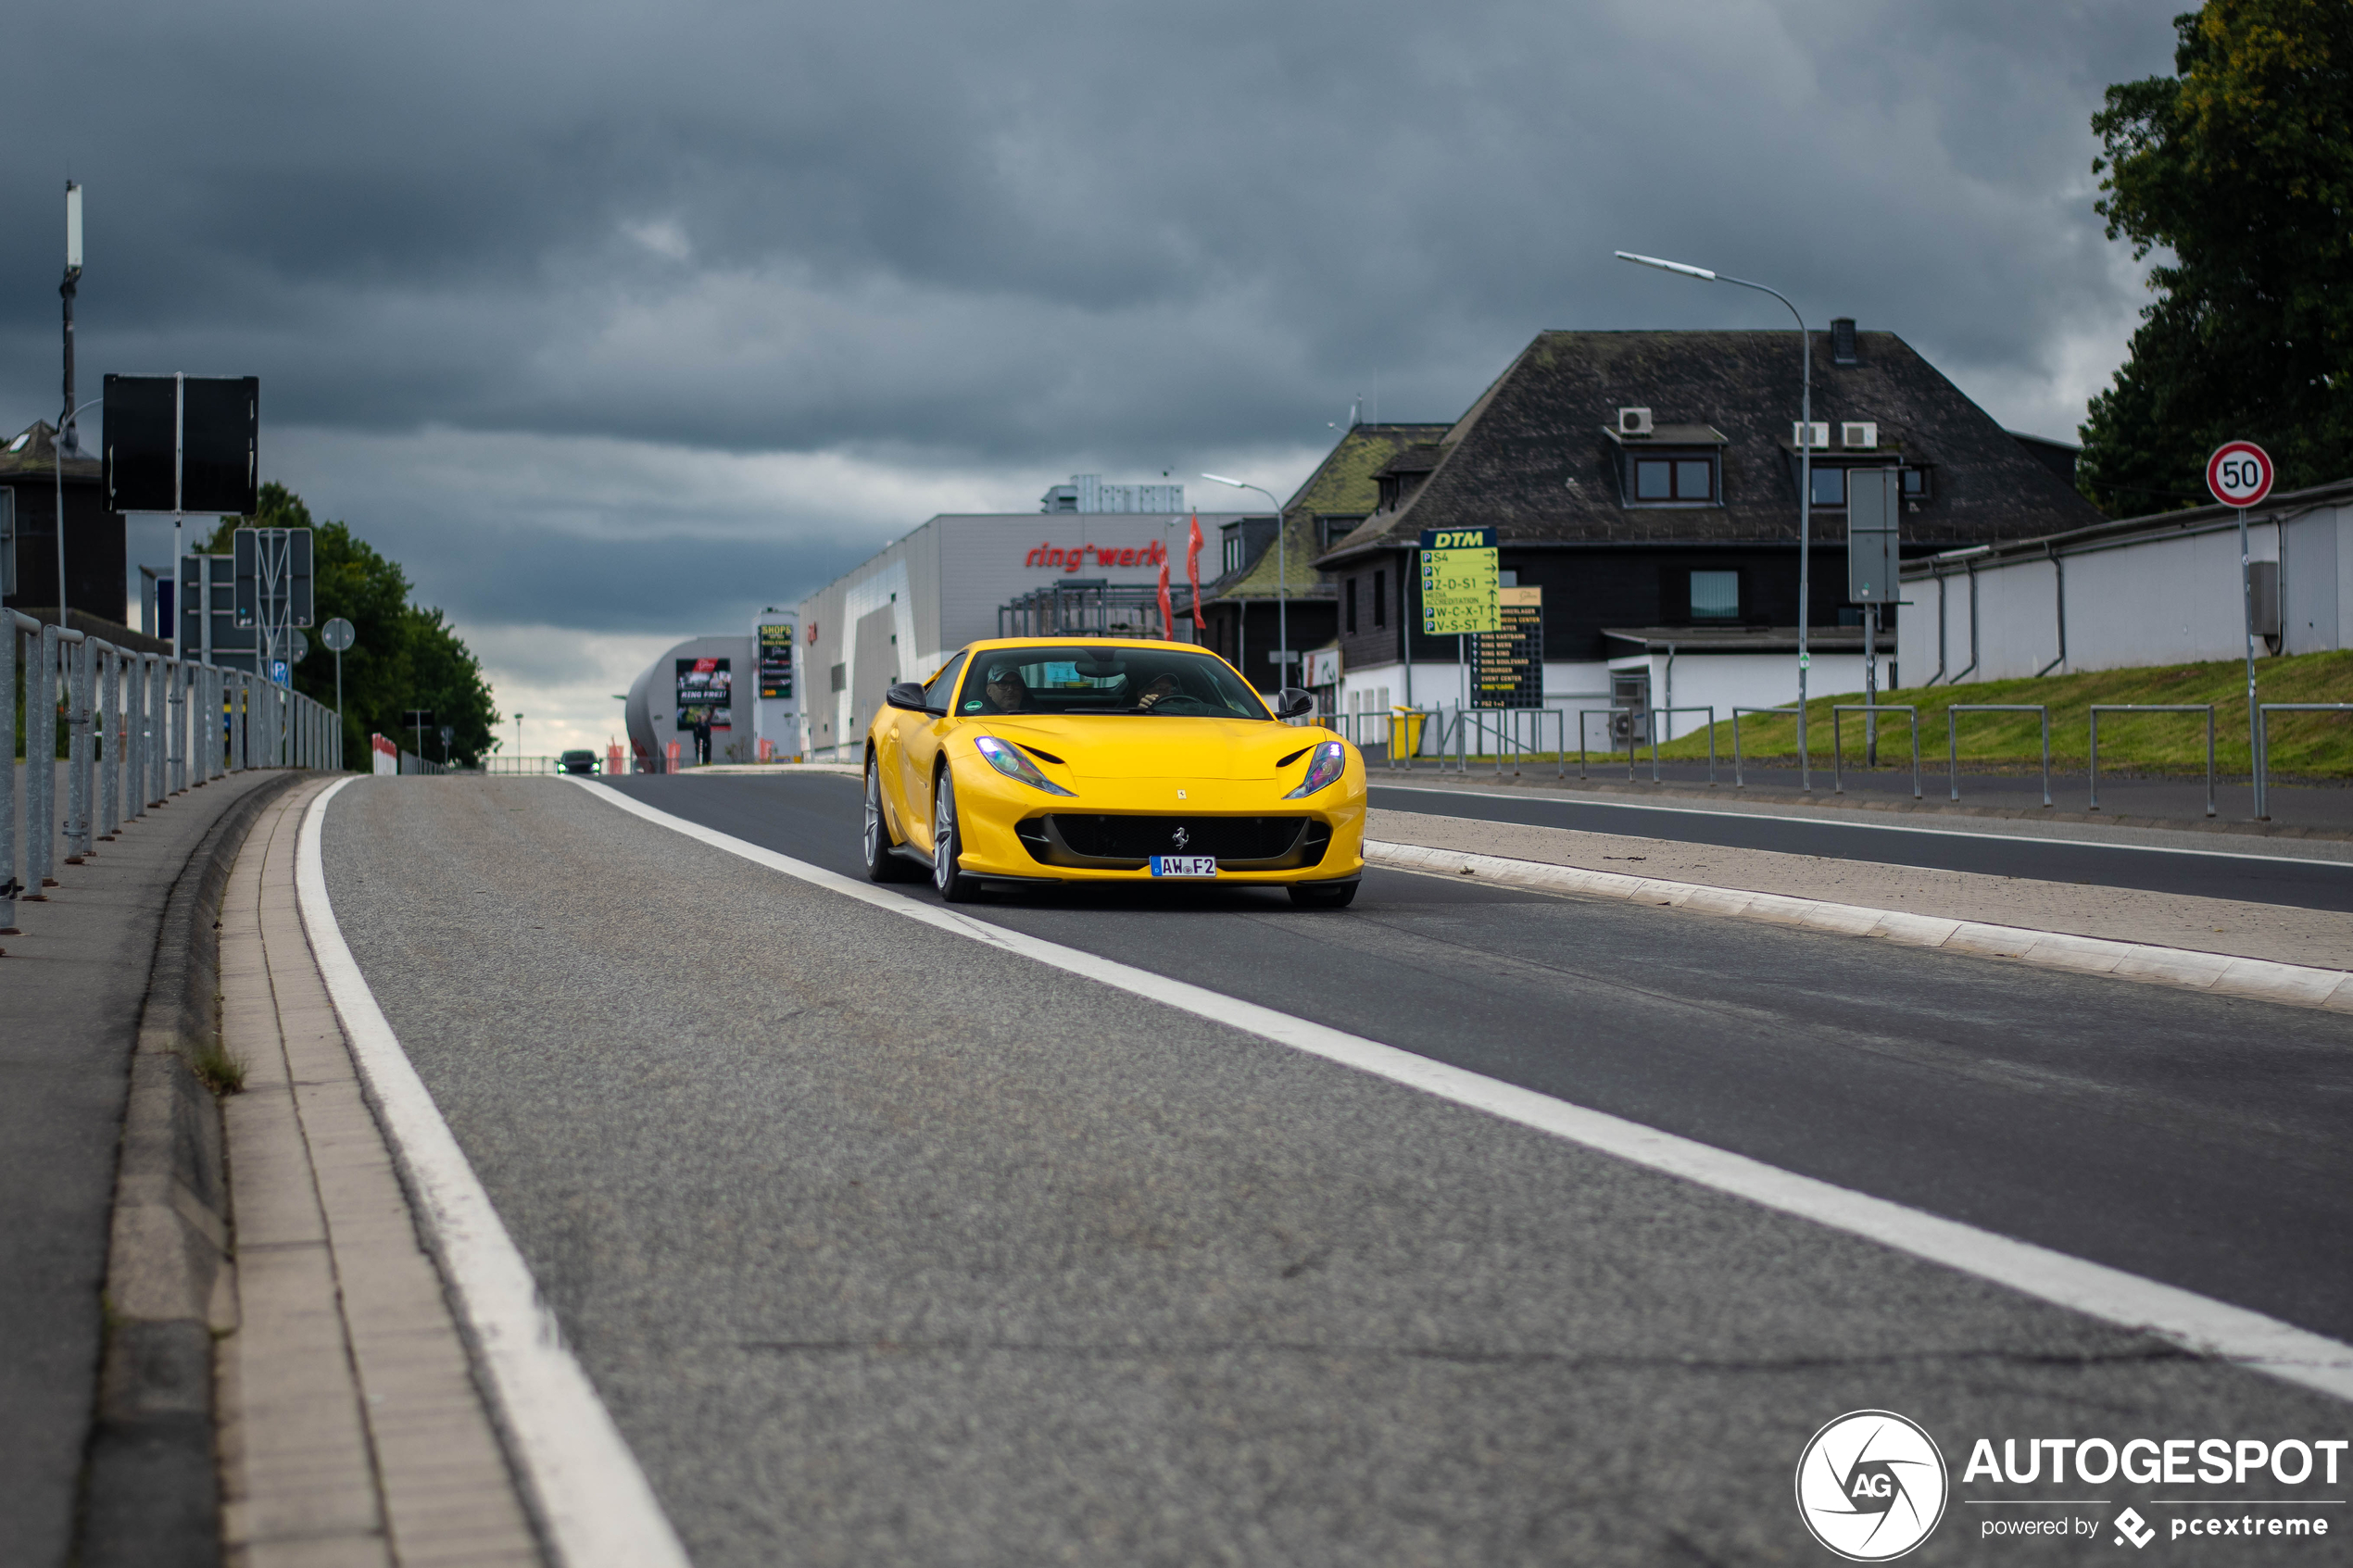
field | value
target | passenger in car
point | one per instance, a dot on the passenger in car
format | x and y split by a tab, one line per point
1008	693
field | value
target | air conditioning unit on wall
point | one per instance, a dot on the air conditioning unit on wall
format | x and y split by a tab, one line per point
1861	434
1819	436
1633	421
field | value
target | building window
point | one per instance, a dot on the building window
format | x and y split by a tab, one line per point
1231	550
1829	488
1716	596
1915	486
840	674
1380	598
1350	598
1332	530
1669	481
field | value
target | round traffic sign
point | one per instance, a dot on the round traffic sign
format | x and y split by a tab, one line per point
336	635
297	647
2239	473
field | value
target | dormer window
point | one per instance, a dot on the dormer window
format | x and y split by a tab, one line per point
1686	479
1668	465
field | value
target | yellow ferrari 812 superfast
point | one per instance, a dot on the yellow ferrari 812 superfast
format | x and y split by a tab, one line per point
1072	759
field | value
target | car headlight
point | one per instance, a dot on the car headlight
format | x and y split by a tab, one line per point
1008	760
1331	760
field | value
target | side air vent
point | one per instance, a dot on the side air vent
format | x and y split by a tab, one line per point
1044	756
1287	761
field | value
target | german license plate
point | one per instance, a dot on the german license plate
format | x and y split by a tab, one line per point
1184	865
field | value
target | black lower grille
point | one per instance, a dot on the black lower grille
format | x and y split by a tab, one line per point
1134	838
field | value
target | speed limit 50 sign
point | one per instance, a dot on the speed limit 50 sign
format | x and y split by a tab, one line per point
2239	473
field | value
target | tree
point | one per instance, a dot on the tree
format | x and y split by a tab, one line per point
402	656
2241	165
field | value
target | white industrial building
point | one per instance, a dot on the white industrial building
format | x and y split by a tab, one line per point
2141	591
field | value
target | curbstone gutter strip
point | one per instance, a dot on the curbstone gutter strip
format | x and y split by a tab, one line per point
2216	974
151	1495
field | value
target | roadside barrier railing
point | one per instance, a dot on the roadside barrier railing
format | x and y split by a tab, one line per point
1738	781
1953	736
496	764
1838	751
1585	713
2205	708
139	728
1669	712
2262	758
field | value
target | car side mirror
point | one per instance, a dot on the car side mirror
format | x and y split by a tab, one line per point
1293	702
908	695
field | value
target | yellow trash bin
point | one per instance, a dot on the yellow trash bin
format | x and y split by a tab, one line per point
1405	732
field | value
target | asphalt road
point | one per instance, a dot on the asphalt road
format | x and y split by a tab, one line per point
883	1245
2244	871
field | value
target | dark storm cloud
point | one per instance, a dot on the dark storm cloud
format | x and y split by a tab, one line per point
1008	232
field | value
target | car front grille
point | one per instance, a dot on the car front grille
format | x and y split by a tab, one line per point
1266	843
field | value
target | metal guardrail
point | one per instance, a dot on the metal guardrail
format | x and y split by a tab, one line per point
1738	781
2262	758
1708	709
1838	749
2205	708
1953	736
138	730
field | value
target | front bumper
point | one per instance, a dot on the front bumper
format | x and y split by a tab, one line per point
1105	832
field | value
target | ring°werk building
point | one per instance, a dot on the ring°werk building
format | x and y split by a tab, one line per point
967	575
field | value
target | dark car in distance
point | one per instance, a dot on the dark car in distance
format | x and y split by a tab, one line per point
576	762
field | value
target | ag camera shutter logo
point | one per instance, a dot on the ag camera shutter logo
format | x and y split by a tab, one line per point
1871	1486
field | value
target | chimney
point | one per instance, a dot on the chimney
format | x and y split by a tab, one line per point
1842	340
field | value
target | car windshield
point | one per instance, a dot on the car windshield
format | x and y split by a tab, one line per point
1171	683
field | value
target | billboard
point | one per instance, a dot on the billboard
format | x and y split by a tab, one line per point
182	443
775	648
706	687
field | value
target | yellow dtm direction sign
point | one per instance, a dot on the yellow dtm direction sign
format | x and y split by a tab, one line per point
1459	582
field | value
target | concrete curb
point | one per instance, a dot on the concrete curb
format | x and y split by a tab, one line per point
150	1493
2220	975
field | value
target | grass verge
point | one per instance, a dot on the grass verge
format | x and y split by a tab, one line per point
2307	746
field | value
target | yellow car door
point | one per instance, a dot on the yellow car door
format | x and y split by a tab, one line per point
920	736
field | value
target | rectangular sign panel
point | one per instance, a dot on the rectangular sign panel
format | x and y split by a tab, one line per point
273	571
1458	590
141	434
705	688
220	436
1507	666
1874	501
775	660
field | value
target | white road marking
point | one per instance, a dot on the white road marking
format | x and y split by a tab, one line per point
2194	1322
594	1501
1825	821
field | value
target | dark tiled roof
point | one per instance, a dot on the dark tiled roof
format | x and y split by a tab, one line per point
1534	457
37	453
1343	485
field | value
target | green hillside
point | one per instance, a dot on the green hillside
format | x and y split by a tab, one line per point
2312	746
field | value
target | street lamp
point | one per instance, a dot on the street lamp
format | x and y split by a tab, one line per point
1282	578
1805	473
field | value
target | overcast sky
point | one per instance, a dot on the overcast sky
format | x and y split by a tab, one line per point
613	323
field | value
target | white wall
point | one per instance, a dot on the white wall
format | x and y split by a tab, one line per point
2170	600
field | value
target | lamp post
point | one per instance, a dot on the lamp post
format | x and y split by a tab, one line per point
66	428
1805	474
1282	579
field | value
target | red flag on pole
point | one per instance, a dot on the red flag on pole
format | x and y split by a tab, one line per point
1167	611
1192	566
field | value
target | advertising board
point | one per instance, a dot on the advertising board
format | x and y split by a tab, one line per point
775	648
705	686
1507	665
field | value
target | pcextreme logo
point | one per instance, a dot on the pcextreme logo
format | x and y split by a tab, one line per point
1871	1486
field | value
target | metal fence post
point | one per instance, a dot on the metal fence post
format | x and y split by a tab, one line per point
76	652
110	742
8	886
1953	747
41	766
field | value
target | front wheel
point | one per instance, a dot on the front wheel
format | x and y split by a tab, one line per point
947	846
1323	894
882	865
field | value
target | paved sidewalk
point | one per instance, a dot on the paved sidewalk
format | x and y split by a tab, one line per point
352	1430
2283	934
72	990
